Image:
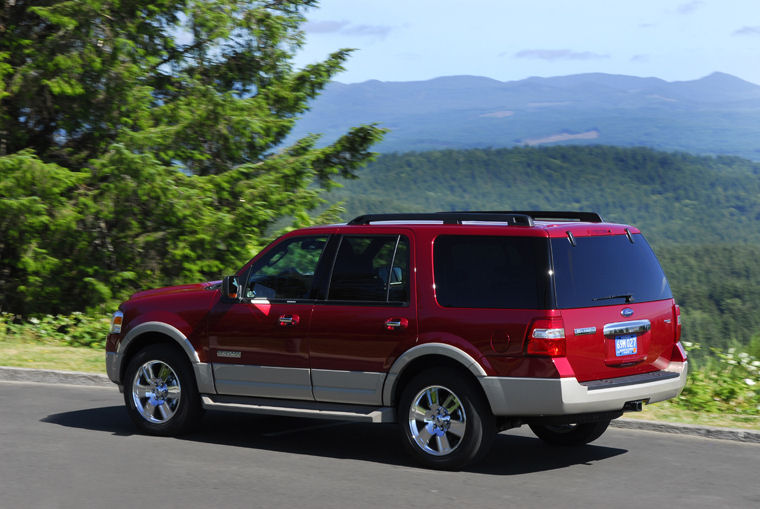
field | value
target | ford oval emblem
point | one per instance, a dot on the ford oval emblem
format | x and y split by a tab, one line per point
627	312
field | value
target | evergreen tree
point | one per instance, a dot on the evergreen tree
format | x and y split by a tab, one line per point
141	142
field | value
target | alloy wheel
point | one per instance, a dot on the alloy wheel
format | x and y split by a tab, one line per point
437	420
156	391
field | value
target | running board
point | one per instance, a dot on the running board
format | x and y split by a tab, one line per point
296	408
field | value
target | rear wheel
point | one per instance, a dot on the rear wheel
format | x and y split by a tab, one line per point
570	434
160	391
446	422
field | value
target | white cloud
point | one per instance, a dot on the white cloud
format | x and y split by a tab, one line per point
345	28
689	7
324	27
368	30
559	54
748	31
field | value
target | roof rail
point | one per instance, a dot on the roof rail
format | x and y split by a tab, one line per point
511	218
538	215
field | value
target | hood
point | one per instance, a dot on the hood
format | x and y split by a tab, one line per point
170	290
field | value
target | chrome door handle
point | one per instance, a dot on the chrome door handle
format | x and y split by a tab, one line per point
396	323
289	320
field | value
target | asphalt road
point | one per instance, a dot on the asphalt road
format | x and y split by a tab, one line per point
74	447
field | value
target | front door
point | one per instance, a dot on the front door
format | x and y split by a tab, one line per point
258	346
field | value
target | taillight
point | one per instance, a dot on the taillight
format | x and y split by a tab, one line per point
547	337
679	354
677	310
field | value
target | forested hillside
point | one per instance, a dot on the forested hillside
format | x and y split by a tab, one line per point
699	213
716	114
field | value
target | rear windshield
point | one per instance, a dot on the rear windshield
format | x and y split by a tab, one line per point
607	270
492	272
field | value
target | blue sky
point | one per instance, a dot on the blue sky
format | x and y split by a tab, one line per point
405	40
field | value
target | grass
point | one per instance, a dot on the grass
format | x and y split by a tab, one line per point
33	354
666	411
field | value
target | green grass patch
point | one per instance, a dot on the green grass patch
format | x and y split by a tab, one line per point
670	412
72	342
23	353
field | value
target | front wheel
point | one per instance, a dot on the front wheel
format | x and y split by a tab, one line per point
446	422
570	434
160	391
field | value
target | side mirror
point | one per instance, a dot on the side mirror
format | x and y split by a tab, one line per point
231	287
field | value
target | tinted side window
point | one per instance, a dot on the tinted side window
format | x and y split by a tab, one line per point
601	271
286	271
371	269
492	272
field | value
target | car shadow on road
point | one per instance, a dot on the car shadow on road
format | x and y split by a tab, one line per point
511	454
113	419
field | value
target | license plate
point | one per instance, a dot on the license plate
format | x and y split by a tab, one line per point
625	345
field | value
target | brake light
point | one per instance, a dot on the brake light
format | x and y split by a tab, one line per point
677	311
547	338
679	354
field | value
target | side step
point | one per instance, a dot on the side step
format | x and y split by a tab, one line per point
296	408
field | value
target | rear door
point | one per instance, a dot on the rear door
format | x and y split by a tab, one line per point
367	318
617	307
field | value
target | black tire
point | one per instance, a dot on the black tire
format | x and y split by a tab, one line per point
160	391
570	434
455	430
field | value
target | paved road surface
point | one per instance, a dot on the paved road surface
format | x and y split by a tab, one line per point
74	447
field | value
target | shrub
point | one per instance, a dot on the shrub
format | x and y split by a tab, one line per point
722	382
75	329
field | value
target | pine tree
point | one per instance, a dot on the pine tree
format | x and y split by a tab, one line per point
159	128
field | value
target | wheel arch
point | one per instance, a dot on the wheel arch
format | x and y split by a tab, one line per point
151	333
428	355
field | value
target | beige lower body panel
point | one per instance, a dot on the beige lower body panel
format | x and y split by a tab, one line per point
512	396
263	381
355	387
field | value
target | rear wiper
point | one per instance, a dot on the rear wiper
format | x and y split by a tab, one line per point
627	296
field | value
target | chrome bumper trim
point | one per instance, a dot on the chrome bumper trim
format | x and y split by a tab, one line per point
632	327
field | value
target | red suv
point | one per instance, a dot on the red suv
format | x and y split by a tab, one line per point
456	325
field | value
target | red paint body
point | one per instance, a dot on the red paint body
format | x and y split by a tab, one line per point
322	335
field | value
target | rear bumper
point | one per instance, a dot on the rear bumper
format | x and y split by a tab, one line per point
512	396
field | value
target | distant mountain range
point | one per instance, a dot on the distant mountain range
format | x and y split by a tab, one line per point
718	114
